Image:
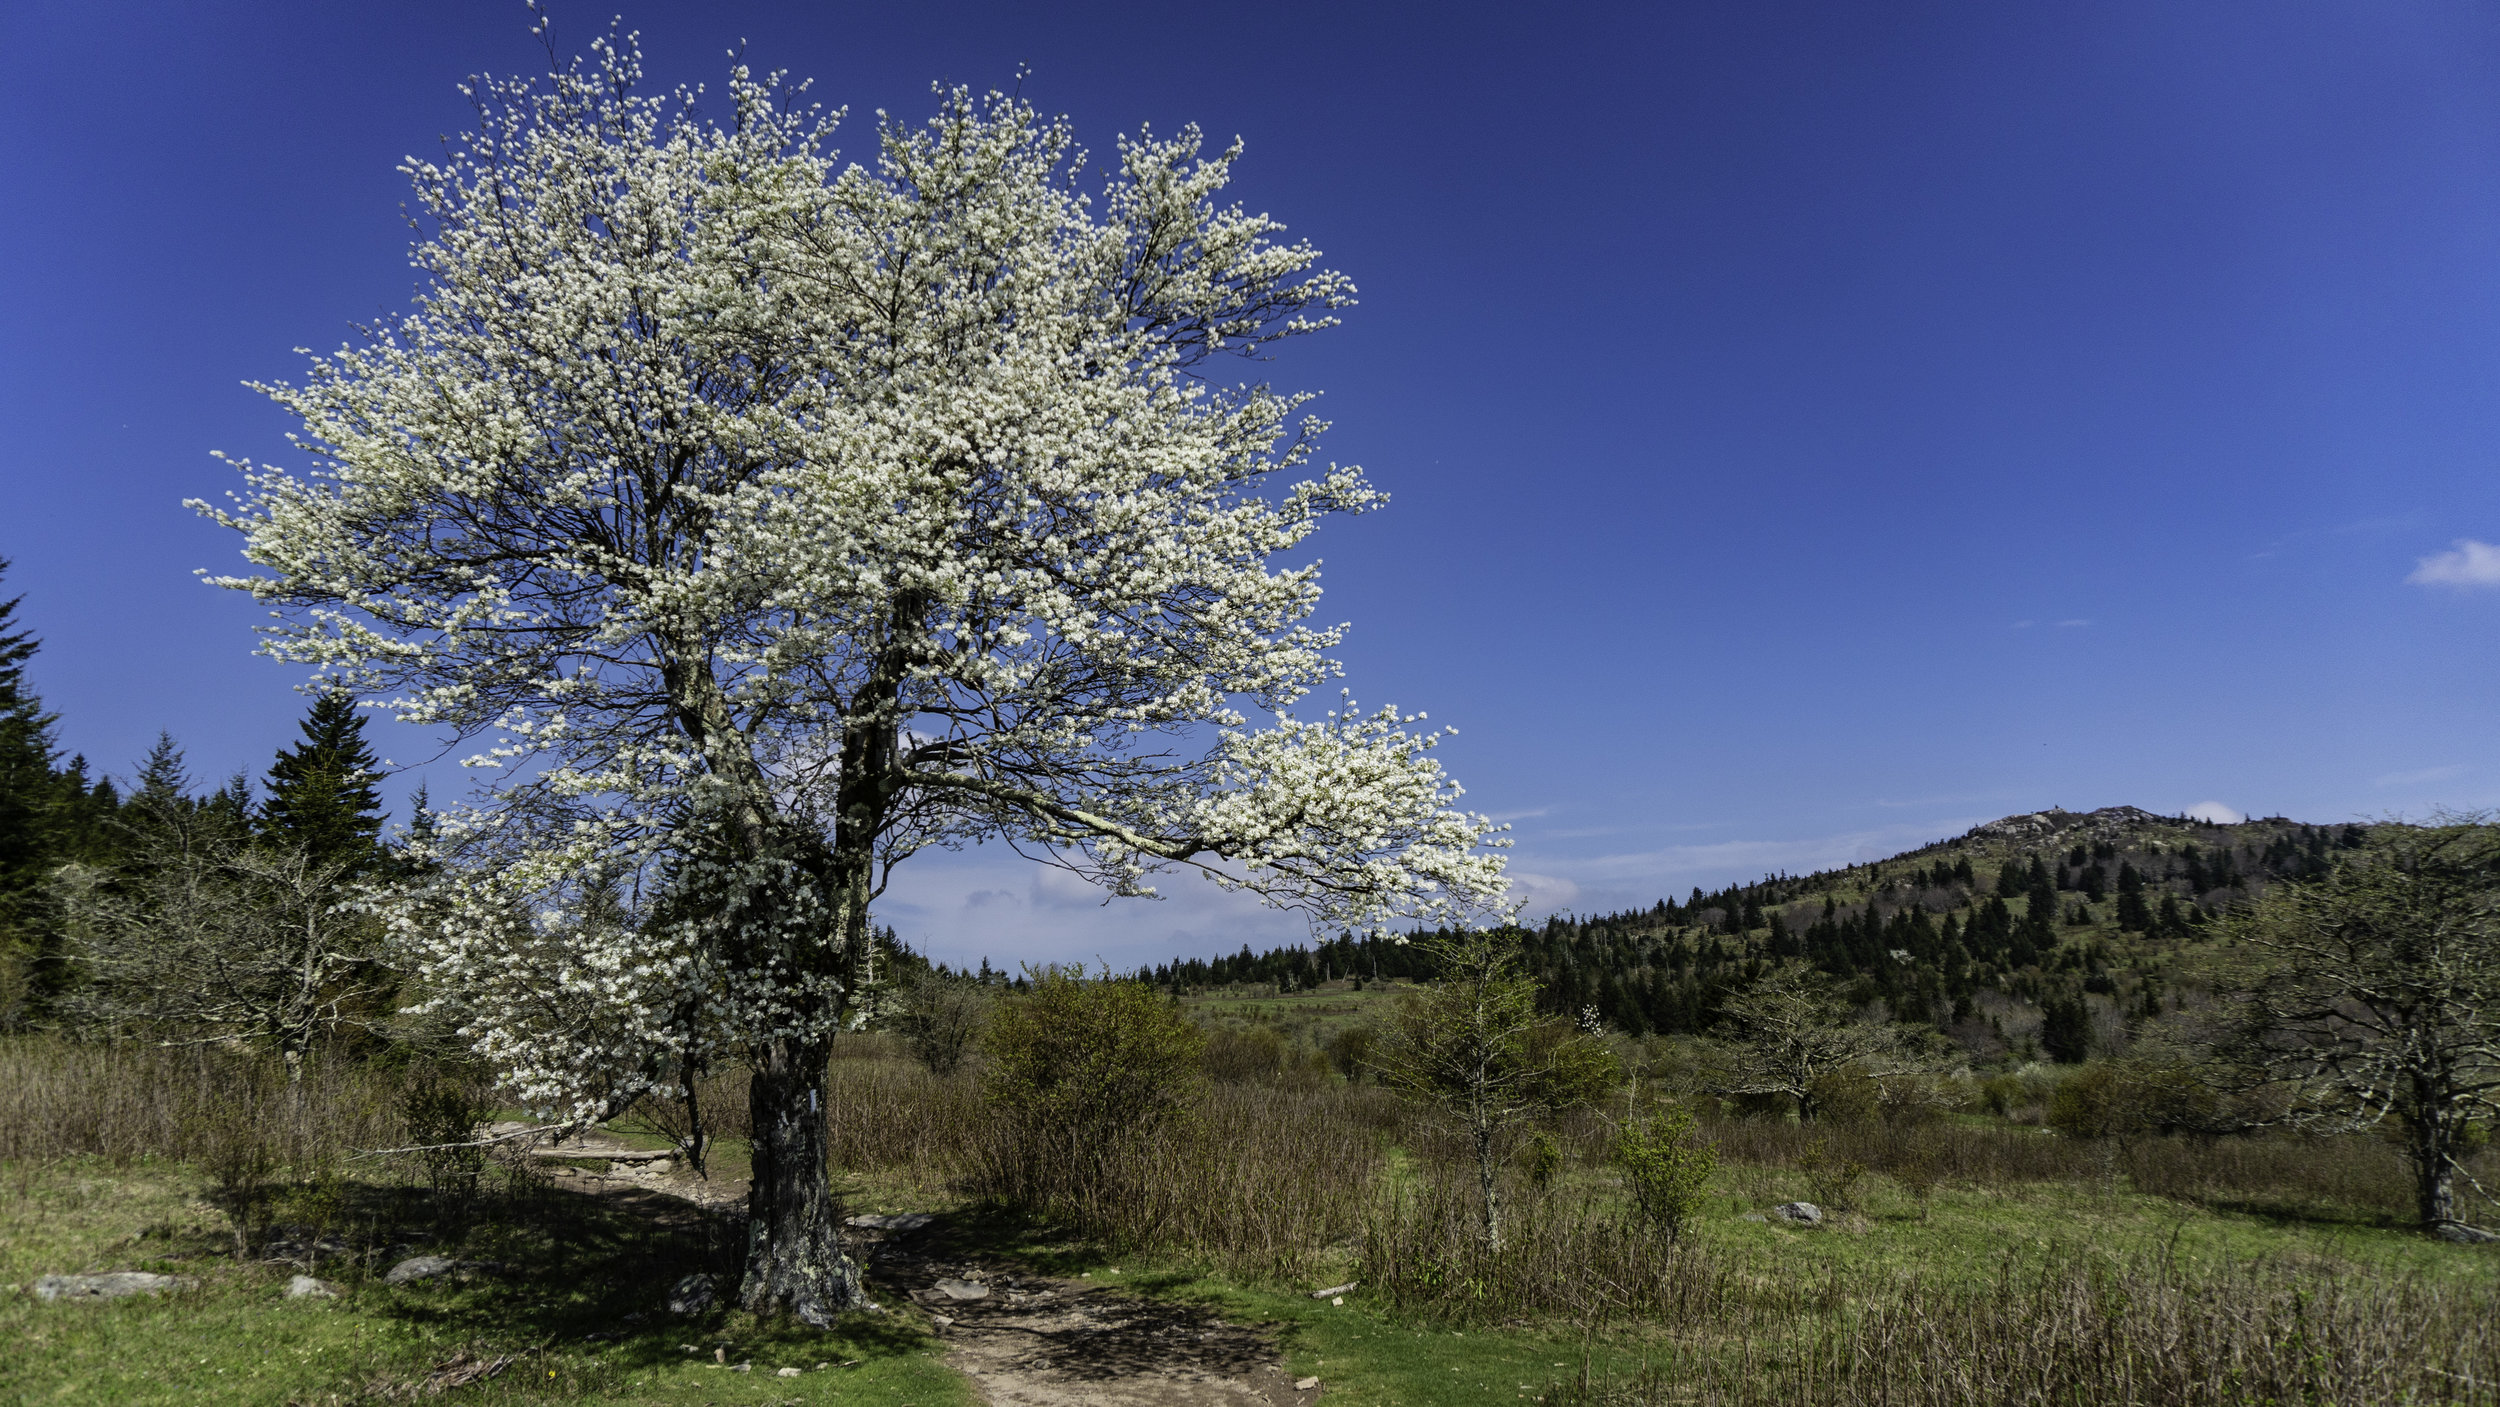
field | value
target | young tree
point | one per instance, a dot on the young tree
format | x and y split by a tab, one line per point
2375	997
942	1017
207	937
1789	1033
777	520
1475	1045
321	795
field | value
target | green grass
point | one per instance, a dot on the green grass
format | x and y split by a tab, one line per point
579	1270
582	1266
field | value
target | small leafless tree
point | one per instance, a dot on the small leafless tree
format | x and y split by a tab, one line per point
942	1017
214	938
1476	1046
2372	996
1789	1033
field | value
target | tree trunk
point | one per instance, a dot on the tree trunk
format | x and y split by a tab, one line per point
795	1260
1485	1184
2429	1144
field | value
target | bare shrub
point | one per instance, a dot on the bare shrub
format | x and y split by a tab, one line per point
942	1018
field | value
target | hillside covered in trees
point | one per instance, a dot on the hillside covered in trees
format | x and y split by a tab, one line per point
2038	934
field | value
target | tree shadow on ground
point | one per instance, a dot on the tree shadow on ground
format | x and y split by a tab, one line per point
542	1266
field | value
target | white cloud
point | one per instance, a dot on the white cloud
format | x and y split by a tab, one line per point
1542	893
988	902
2422	775
2216	813
2071	624
2469	564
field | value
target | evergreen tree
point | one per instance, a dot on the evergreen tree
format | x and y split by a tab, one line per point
321	793
2066	1028
2134	914
27	782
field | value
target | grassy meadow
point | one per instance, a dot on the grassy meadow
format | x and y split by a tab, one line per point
2040	1267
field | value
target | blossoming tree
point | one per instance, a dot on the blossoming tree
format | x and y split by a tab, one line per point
767	520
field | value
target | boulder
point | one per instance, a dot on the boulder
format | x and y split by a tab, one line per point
415	1268
305	1287
1799	1213
111	1285
894	1221
691	1296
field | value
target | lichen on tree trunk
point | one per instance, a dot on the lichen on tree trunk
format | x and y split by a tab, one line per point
795	1263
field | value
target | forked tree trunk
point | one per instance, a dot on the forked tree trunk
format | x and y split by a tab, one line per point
795	1260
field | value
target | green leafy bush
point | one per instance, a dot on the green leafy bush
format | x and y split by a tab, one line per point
1666	1170
1083	1073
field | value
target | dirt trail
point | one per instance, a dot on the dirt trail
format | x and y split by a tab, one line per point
1029	1340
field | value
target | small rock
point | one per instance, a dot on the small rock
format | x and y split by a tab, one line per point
942	1322
789	1372
1802	1213
416	1268
304	1287
1339	1301
963	1289
691	1296
111	1285
1305	1384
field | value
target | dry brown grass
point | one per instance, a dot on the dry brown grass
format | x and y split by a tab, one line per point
2073	1329
193	1104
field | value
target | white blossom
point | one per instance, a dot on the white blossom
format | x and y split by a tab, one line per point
766	519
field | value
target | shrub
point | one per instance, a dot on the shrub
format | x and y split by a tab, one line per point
1086	1073
1833	1181
442	1110
2123	1098
1845	1096
1541	1158
1666	1170
1350	1050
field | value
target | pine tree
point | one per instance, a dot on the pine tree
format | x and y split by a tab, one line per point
2066	1028
28	784
2134	914
321	793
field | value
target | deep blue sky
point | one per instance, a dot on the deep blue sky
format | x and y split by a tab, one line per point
1813	429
